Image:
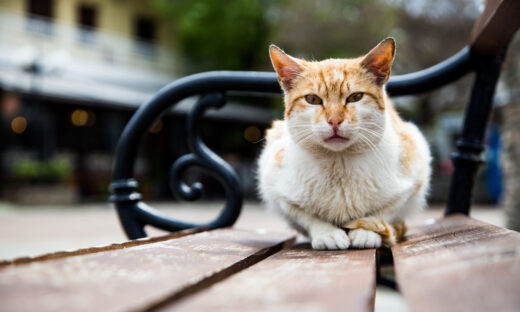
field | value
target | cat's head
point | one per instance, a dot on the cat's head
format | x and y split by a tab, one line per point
336	104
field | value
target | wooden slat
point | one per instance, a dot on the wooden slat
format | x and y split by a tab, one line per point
295	279
91	250
459	264
496	26
134	278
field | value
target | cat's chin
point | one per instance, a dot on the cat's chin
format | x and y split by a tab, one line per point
336	143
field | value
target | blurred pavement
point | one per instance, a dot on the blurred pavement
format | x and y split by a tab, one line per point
33	230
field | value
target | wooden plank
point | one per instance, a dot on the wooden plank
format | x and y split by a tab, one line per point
295	279
496	26
91	250
137	277
459	264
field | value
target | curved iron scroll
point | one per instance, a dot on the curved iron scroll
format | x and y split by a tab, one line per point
134	214
203	157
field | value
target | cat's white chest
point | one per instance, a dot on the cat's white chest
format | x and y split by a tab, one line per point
341	189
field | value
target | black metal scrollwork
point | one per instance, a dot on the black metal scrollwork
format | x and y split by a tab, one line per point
135	214
203	157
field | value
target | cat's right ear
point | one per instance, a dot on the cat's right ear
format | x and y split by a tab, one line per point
286	67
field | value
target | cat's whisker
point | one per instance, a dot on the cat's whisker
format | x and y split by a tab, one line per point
256	142
304	139
372	147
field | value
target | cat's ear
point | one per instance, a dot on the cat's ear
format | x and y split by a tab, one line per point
287	67
378	62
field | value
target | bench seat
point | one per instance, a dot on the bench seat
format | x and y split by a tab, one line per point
459	264
453	264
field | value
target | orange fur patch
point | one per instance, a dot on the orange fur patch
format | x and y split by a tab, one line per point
378	99
294	106
278	157
400	230
408	148
408	151
319	114
335	112
390	233
351	115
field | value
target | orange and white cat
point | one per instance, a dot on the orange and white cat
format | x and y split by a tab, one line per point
342	157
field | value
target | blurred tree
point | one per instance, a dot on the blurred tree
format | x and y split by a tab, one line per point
434	31
331	28
229	34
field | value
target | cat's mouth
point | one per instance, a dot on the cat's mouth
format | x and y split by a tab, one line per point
336	139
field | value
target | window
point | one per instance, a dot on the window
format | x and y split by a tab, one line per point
40	13
87	19
145	30
41	8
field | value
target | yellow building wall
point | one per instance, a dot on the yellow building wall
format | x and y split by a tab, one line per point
115	16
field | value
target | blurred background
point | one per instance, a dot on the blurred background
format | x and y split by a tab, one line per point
72	72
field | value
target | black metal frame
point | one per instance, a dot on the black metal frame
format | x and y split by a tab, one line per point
213	86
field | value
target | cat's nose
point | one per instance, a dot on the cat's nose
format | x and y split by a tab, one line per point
335	122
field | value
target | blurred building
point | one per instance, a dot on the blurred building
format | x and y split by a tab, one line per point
71	74
114	52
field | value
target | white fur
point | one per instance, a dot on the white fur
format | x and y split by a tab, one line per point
320	186
362	238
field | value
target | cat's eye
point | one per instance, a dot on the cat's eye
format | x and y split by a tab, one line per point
354	97
313	99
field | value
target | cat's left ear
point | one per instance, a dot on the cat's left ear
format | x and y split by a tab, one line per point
378	62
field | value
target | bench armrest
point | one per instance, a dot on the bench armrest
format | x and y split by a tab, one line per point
495	27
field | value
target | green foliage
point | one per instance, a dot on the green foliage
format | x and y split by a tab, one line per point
213	34
332	28
54	170
234	34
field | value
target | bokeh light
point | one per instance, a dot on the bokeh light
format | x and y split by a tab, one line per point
19	125
156	127
252	134
79	117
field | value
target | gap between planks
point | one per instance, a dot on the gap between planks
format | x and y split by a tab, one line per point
92	250
217	277
136	278
294	279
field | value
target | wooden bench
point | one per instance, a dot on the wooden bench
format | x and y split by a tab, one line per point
453	264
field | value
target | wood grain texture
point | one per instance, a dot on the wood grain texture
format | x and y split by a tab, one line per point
134	278
295	279
459	264
496	26
91	250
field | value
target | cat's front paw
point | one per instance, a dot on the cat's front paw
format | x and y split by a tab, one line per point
362	238
331	239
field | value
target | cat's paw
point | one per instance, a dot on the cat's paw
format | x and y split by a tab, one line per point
331	239
362	238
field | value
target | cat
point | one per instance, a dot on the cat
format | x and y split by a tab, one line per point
342	167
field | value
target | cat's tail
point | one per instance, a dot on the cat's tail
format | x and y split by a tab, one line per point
391	233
